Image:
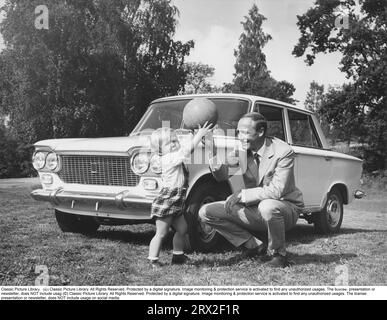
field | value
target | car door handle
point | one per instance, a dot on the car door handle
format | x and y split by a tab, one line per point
328	158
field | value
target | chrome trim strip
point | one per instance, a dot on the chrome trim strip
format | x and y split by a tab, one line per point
91	153
122	200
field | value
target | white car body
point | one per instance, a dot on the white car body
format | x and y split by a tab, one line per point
318	169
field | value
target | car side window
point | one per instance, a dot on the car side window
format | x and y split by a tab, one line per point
274	117
303	130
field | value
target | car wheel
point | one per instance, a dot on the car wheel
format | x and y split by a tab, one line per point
76	223
330	218
201	236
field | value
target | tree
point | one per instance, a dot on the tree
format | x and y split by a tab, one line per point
363	46
15	156
314	102
339	109
251	73
93	72
314	97
250	63
197	75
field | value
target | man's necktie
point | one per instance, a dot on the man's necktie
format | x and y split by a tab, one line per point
257	162
256	158
253	165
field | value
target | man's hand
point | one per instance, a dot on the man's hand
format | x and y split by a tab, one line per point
231	201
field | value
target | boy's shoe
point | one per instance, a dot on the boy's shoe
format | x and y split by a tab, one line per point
179	258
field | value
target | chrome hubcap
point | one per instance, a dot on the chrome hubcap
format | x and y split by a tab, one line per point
334	211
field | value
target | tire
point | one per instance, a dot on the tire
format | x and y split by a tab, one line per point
201	236
330	218
76	223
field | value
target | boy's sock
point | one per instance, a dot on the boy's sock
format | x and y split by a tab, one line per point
154	261
151	259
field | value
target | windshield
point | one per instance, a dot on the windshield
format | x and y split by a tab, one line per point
230	111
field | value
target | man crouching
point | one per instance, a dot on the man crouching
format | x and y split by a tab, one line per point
269	201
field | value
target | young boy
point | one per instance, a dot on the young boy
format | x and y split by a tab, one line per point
167	207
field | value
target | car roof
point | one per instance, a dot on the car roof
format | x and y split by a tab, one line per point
252	98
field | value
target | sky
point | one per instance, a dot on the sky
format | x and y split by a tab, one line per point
215	26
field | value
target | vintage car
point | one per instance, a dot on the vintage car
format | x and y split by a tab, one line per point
113	181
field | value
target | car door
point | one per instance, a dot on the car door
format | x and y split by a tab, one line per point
313	165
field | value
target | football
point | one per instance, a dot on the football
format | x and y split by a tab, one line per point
198	111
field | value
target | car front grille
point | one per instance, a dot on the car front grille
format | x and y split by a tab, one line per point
97	170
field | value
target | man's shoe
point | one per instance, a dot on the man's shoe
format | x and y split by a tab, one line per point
179	259
265	257
278	261
254	253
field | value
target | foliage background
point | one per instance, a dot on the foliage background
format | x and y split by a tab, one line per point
91	74
356	111
101	62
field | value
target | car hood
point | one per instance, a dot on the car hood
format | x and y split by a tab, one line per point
114	144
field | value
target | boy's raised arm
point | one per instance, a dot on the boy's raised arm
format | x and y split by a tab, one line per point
199	135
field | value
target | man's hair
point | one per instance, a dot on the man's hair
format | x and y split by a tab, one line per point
259	119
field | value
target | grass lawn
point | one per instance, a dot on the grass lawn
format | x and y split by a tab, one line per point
29	236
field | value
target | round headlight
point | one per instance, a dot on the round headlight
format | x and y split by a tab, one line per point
39	160
155	164
140	163
52	161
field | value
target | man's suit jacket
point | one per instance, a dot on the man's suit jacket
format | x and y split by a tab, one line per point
276	173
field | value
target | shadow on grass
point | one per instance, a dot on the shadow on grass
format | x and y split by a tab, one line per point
127	236
306	234
303	234
295	259
309	258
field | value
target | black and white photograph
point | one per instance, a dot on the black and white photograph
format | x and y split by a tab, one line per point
179	149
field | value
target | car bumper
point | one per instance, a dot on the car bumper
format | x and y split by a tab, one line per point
124	205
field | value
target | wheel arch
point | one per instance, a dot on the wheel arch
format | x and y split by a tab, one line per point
208	178
200	238
342	188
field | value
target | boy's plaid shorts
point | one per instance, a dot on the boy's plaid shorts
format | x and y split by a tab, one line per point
169	202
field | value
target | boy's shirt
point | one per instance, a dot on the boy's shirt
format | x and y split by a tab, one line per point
172	172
